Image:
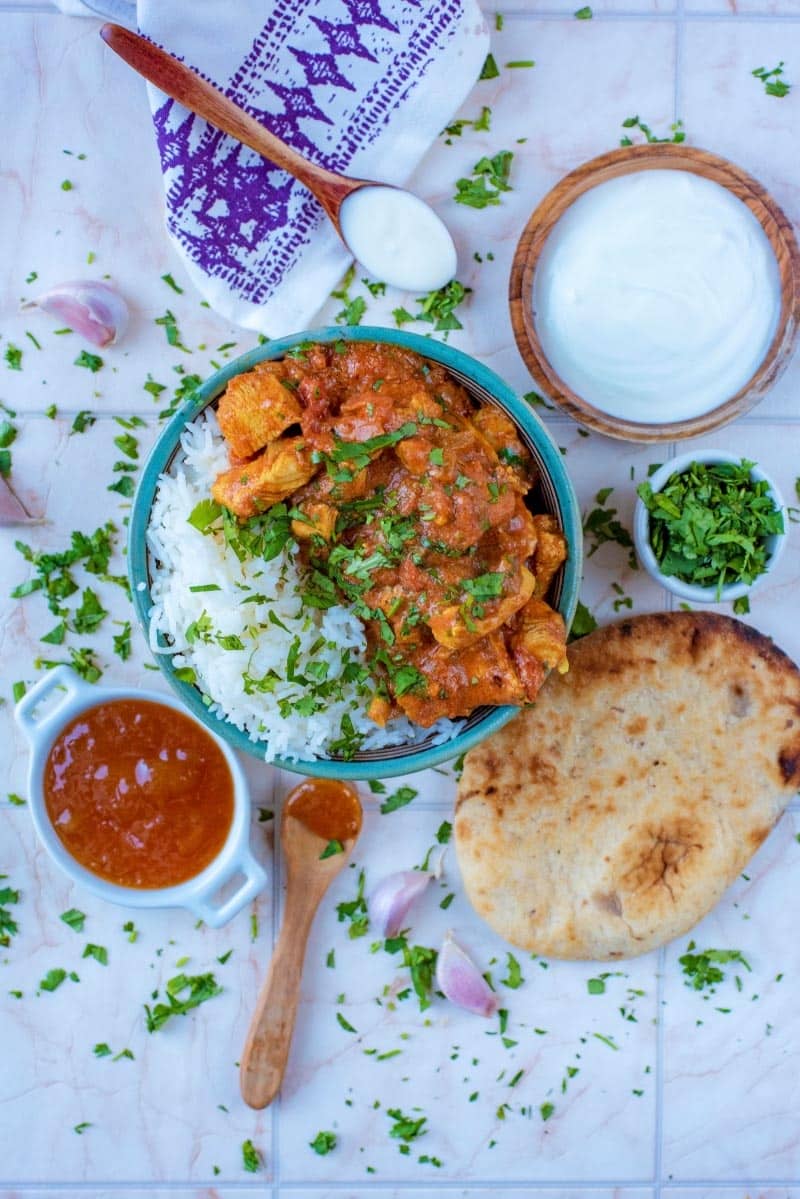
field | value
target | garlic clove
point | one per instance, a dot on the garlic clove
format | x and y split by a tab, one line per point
392	898
460	980
95	311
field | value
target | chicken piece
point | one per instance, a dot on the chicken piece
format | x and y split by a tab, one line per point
460	681
319	521
538	644
254	410
551	551
380	710
369	414
456	626
272	476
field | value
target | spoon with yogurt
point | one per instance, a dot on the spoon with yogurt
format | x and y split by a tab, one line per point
394	234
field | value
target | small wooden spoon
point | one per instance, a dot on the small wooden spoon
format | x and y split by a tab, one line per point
187	87
320	817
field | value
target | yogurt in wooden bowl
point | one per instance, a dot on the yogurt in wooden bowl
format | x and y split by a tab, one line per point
655	292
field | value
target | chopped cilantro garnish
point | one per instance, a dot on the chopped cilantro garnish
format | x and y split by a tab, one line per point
709	524
13	357
489	69
170	326
92	362
74	918
584	14
774	85
521	63
331	849
601	526
405	1128
200	988
251	1157
98	952
515	979
488	179
676	130
8	926
546	1110
170	282
90	614
53	979
80	1129
398	799
355	910
702	969
443	832
324	1142
83	421
345	1024
101	1049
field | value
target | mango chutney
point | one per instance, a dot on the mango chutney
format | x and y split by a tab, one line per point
139	793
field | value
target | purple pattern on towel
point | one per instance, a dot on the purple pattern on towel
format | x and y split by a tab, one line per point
238	217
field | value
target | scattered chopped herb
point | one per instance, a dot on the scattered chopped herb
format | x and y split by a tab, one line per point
595	986
98	952
546	1110
601	526
53	979
741	605
200	988
74	918
448	899
515	979
606	1040
128	1053
584	14
677	134
51	412
81	1128
122	640
170	326
330	959
443	832
92	362
130	928
90	614
709	524
8	926
702	970
83	421
170	282
251	1157
355	910
774	85
489	69
66	185
582	623
405	1128
345	1024
521	62
101	1049
13	357
324	1142
398	799
488	179
331	849
481	124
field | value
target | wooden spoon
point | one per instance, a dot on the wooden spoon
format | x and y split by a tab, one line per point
321	824
393	233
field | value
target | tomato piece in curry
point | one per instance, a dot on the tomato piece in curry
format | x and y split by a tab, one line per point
139	793
416	505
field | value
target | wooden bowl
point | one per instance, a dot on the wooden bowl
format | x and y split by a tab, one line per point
662	156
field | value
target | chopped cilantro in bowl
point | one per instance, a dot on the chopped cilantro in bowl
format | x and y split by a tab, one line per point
709	526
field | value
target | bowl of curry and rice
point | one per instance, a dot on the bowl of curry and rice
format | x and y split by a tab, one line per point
355	553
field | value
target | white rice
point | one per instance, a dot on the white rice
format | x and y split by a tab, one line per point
182	557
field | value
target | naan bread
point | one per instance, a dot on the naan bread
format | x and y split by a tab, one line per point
611	816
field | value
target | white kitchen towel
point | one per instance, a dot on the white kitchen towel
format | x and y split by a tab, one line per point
360	86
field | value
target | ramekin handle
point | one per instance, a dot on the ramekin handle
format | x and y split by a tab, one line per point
63	677
254	881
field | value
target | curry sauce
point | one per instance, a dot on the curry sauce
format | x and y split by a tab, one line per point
138	793
413	505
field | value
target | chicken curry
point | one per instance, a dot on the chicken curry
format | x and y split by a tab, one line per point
411	504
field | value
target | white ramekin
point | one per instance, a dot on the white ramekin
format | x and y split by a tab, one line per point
63	695
691	591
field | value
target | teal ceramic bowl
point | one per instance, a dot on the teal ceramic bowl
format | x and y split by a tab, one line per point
554	494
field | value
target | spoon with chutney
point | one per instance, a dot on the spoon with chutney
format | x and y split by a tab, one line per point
321	822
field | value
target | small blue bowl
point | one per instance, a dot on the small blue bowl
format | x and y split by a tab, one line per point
555	492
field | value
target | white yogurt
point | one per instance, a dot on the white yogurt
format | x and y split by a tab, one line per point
398	238
656	296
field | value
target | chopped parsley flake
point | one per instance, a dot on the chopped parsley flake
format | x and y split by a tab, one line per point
200	988
324	1142
398	799
98	952
488	180
251	1157
92	362
677	134
74	918
774	84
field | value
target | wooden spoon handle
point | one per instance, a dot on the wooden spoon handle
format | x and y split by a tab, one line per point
269	1037
188	88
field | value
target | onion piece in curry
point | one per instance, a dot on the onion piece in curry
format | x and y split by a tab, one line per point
411	504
